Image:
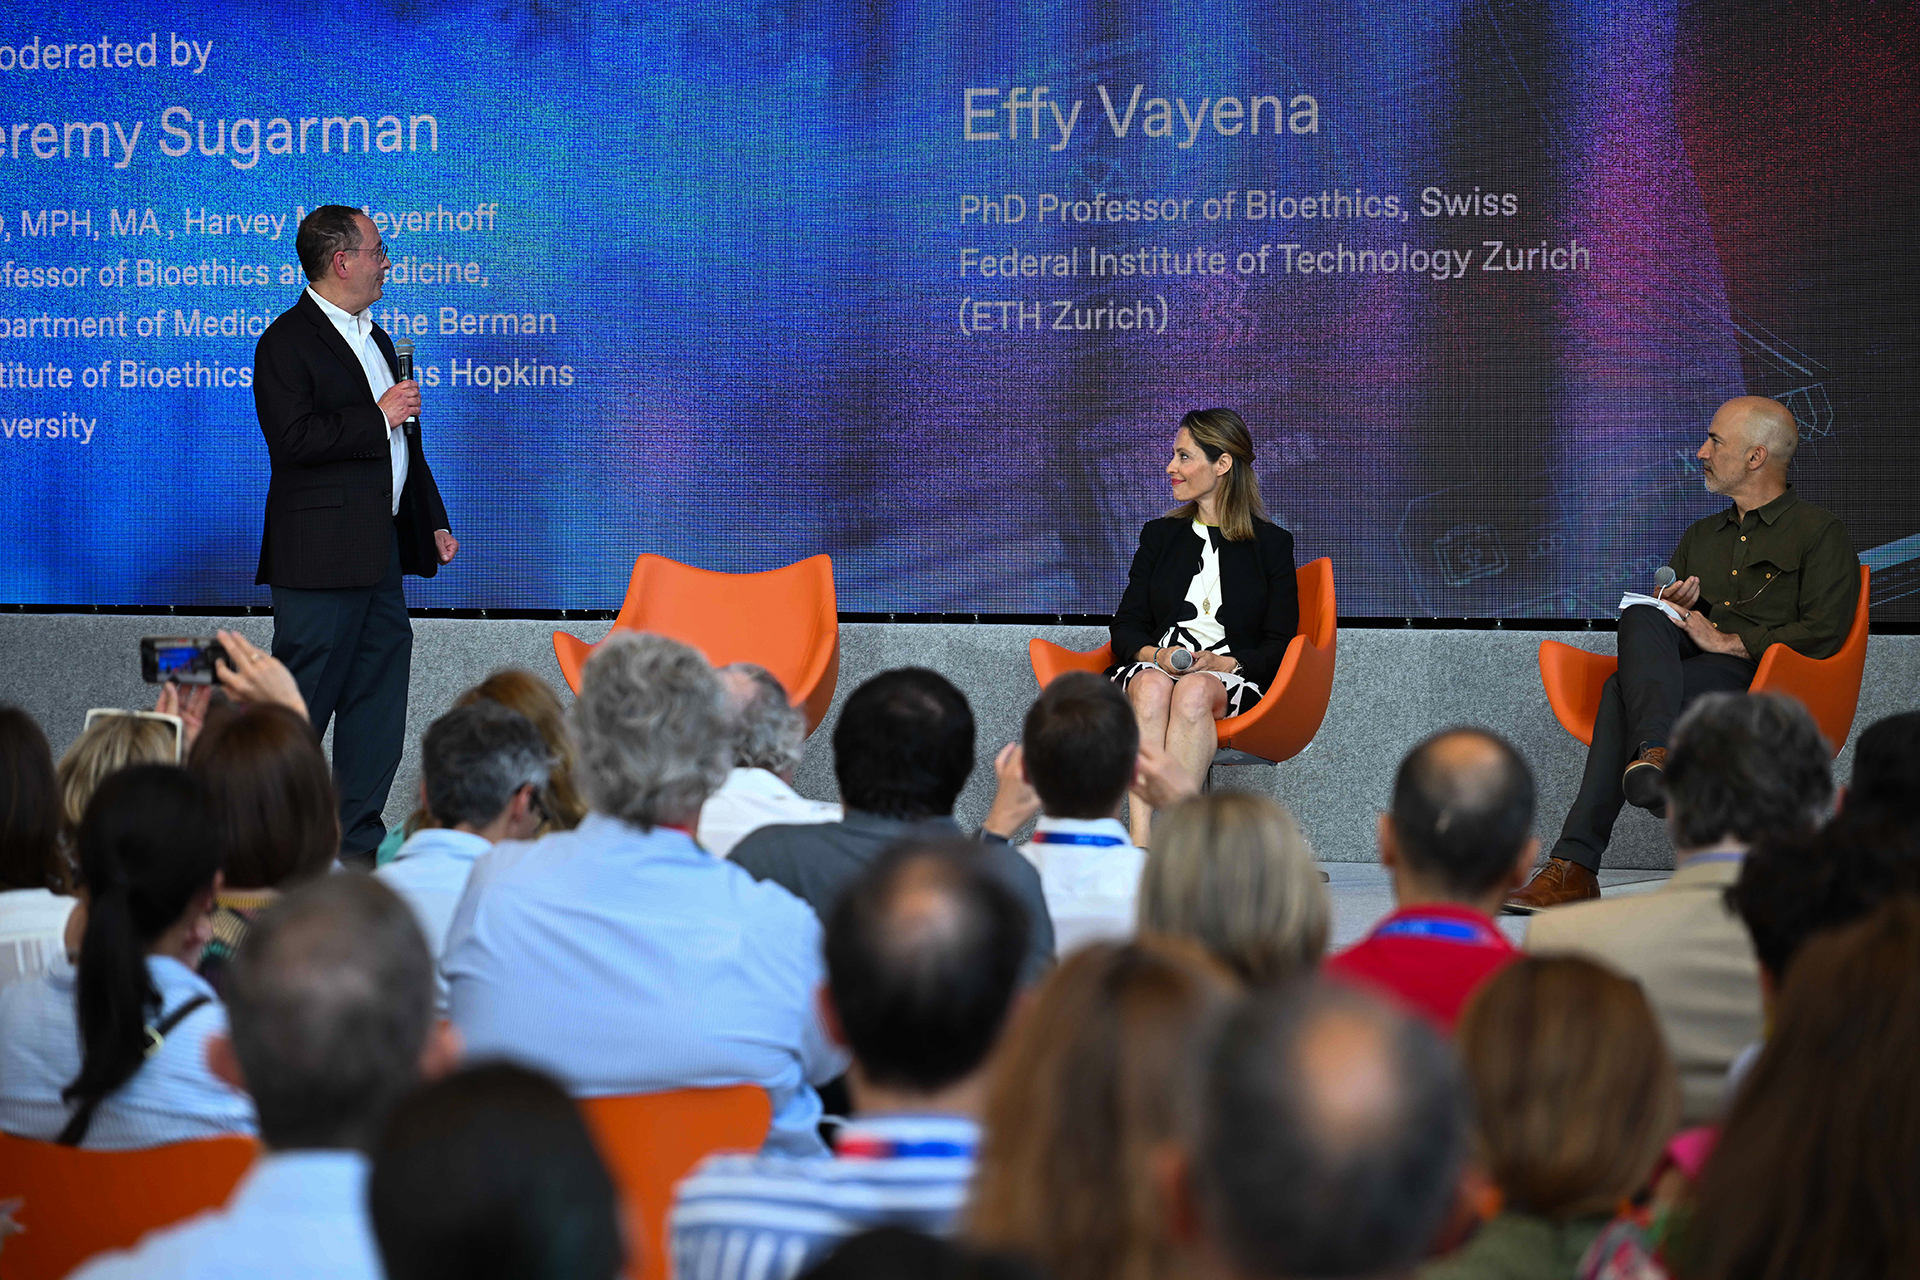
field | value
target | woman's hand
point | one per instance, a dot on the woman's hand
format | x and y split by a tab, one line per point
190	704
257	676
1213	662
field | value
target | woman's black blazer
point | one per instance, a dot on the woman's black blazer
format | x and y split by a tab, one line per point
1259	599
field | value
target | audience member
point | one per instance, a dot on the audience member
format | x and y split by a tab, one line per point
902	752
1814	1174
482	768
621	957
273	800
1742	766
1231	871
1079	750
331	1003
522	691
768	733
111	1052
1458	838
109	745
1329	1141
490	1174
1886	769
924	952
895	1253
1089	1086
1573	1097
36	901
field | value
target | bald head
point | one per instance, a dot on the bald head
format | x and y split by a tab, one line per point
767	729
1332	1132
1463	811
1757	422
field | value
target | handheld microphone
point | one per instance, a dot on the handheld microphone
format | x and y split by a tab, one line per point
1180	659
1662	579
403	352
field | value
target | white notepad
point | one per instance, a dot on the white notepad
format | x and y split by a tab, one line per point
1636	597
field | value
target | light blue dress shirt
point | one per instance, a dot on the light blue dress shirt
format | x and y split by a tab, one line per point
622	961
173	1097
296	1215
430	873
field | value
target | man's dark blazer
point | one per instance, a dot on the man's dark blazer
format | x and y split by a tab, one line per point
1259	597
330	520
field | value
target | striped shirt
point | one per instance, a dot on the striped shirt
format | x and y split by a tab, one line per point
173	1097
739	1217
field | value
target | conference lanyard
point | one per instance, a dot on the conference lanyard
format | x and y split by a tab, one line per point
1076	837
1466	933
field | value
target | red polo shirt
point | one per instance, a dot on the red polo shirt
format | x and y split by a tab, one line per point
1429	958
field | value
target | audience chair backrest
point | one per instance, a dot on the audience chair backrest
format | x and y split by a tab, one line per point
79	1203
652	1140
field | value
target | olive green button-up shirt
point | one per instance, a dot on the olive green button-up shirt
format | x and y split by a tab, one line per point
1784	575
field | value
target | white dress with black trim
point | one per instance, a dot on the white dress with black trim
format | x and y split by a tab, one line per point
1198	628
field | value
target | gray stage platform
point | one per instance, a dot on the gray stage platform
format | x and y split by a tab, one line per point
1392	687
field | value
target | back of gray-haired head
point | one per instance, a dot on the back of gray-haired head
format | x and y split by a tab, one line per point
651	721
474	758
768	730
1744	766
329	1003
1332	1133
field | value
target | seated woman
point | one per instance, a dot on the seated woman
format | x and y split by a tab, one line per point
111	1053
1210	604
1573	1097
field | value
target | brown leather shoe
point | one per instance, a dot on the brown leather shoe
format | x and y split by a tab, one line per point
1559	882
1644	782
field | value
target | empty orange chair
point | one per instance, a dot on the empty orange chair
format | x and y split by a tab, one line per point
1287	716
80	1203
784	619
652	1140
1830	687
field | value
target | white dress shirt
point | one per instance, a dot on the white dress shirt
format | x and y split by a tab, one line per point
751	799
430	873
296	1215
173	1097
33	932
1090	874
357	331
622	961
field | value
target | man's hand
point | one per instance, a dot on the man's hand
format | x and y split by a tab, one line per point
1014	801
1158	780
256	676
444	545
401	402
1709	637
1684	594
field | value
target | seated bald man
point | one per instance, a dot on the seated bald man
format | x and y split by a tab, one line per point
1769	569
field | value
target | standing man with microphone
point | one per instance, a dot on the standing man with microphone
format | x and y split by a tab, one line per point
350	508
1767	569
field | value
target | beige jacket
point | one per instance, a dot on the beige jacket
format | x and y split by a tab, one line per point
1690	954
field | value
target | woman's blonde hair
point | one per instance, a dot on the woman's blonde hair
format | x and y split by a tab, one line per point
1094	1075
1221	431
1573	1092
113	743
1231	871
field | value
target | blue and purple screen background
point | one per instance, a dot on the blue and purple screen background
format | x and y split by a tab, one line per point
746	221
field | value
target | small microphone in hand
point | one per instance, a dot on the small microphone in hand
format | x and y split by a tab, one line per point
403	354
1180	659
1662	579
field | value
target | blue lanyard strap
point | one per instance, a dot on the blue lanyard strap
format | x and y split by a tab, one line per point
1076	837
1440	929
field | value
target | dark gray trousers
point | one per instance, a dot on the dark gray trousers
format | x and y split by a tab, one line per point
1661	671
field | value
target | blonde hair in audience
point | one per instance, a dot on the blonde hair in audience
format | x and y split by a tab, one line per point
113	743
1231	871
520	690
1573	1091
1094	1075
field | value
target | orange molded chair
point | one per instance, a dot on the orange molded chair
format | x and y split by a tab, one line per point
1284	721
80	1203
784	619
1830	687
652	1140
